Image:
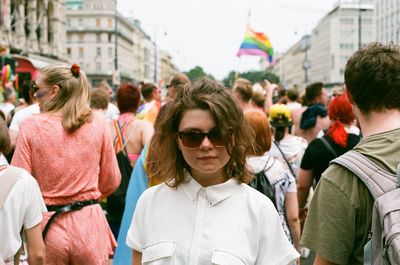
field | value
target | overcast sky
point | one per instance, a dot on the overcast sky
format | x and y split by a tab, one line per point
208	33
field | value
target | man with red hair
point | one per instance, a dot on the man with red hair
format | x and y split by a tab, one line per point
339	222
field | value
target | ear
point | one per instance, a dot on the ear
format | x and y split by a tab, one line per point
54	90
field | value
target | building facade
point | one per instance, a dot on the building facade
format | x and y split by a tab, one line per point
33	26
292	67
92	42
387	21
336	37
30	33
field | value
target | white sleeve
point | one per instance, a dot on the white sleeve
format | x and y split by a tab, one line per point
15	123
134	237
36	205
274	246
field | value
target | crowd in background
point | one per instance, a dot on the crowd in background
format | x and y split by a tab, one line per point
96	176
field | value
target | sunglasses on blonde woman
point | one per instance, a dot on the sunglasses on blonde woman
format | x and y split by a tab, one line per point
193	139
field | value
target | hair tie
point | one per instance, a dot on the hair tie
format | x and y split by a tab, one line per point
75	69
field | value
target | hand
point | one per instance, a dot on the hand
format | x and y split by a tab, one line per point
302	217
268	86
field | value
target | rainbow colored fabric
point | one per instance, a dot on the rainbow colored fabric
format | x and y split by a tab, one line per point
256	43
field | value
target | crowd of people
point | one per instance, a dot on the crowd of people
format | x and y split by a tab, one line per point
85	179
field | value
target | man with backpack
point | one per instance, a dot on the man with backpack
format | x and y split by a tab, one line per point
340	218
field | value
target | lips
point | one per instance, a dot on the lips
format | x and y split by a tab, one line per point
207	157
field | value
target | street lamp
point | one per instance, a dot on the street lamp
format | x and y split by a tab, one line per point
116	79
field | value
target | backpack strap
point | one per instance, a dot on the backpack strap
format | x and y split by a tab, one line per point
377	180
328	146
119	141
7	182
284	157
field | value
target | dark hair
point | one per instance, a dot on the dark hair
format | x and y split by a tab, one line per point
244	88
128	98
147	89
25	91
372	77
313	91
258	99
292	94
208	95
99	99
179	79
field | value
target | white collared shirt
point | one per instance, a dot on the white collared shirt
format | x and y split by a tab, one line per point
228	223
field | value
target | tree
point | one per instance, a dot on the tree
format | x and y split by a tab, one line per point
196	73
252	76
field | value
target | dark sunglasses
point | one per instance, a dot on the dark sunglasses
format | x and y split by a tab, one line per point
193	139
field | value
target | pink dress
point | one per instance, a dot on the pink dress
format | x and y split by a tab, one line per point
71	167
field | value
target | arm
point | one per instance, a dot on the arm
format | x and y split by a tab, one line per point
23	154
136	257
13	137
35	245
109	175
322	261
268	97
304	182
292	215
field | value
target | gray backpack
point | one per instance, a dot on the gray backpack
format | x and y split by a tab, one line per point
384	187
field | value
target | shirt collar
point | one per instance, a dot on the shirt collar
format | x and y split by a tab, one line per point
214	194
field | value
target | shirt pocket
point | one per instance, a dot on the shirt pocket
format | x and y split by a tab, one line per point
224	257
159	253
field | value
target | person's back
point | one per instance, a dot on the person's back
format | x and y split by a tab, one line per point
48	161
339	238
67	148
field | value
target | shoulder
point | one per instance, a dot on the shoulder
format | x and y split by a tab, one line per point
255	200
162	191
33	121
345	183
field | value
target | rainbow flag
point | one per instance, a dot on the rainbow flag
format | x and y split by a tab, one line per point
256	43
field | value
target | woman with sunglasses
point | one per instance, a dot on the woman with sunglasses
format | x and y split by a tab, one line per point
204	213
68	149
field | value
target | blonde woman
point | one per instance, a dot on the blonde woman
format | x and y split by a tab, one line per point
68	149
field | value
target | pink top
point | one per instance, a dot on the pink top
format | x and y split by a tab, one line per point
68	167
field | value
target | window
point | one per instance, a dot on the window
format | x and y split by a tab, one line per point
69	51
110	22
97	22
80	22
98	37
81	37
98	51
68	23
109	37
346	46
81	52
110	52
98	67
347	21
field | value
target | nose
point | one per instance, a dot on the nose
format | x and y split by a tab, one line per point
206	143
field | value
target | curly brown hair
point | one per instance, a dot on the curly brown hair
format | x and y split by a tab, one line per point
372	77
204	94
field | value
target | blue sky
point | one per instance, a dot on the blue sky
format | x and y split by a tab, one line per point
209	32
